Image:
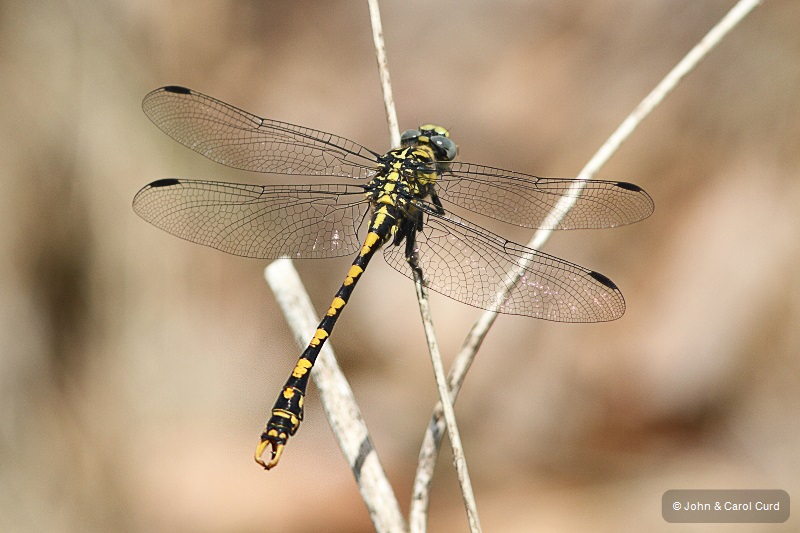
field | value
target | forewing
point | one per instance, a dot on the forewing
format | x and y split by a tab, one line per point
474	266
527	200
266	222
239	139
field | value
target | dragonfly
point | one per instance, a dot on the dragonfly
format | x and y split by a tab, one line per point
400	201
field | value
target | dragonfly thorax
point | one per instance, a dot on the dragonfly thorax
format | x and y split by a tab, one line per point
404	174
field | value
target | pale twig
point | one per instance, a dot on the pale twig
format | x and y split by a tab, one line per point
337	400
383	70
433	435
459	458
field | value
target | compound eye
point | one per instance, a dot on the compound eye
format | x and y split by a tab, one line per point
409	136
445	148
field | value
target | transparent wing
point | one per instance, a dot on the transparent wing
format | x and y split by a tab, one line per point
239	139
266	222
472	265
526	200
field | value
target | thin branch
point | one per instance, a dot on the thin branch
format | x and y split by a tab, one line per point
433	435
459	458
429	451
383	69
337	400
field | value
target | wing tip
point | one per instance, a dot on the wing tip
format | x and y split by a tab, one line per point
138	199
616	303
643	199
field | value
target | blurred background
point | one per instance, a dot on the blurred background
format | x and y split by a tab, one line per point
137	369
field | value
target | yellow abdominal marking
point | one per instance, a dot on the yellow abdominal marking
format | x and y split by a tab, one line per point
319	336
370	241
288	392
337	304
304	364
352	274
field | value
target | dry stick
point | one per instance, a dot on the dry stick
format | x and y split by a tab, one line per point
459	458
383	69
337	400
428	452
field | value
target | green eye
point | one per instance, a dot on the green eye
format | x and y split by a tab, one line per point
409	136
445	148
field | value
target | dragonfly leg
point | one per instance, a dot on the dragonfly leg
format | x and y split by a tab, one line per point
412	256
411	252
438	203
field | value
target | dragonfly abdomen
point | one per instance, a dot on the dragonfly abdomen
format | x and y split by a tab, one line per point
287	413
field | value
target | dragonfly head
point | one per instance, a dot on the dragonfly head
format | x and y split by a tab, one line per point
437	137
